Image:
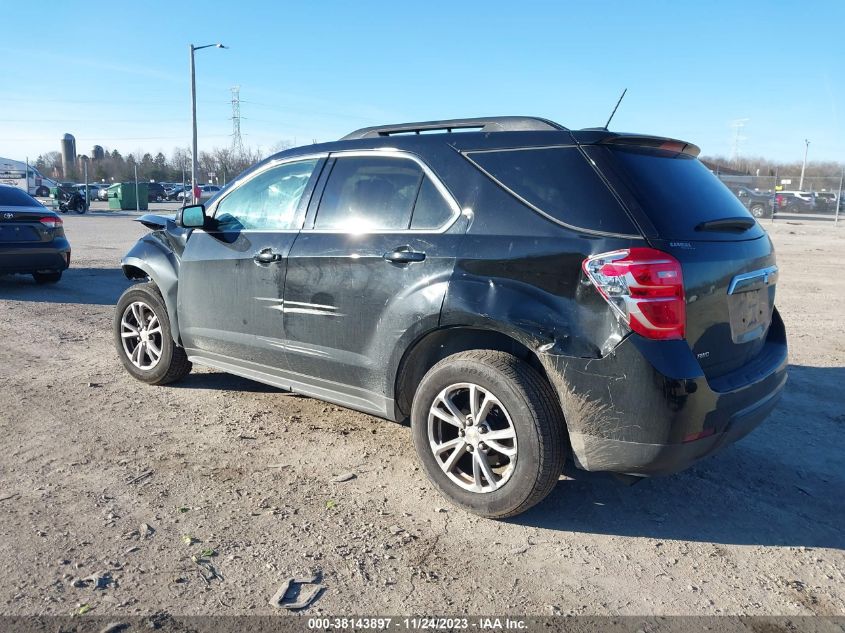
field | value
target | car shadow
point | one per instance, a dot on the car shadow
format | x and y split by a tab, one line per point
90	286
782	485
220	381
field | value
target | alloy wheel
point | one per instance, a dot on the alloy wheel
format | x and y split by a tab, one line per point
472	437
140	332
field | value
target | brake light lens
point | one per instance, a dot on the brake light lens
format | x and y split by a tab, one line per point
51	222
645	288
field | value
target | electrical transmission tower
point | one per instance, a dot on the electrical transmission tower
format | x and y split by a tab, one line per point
237	141
738	138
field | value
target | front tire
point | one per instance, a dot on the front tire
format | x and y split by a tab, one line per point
489	432
143	337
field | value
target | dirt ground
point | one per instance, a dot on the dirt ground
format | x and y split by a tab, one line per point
106	479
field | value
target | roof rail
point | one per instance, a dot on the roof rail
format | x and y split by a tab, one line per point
482	124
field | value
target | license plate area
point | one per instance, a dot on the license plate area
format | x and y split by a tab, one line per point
18	233
750	314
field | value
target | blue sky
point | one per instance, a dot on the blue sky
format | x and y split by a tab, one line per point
317	70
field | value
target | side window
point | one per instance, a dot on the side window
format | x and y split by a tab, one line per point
559	183
268	201
431	210
369	194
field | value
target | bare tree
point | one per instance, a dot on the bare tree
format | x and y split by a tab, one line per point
50	164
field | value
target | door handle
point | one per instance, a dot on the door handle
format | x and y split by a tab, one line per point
404	255
266	256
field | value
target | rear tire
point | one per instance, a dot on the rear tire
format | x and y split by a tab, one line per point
141	321
47	278
515	447
758	210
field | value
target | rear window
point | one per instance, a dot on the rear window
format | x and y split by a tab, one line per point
677	191
559	183
14	197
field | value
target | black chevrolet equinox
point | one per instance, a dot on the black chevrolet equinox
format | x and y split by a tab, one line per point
520	291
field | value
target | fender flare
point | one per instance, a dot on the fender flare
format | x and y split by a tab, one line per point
155	260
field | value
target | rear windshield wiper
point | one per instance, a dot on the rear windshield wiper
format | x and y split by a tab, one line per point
727	224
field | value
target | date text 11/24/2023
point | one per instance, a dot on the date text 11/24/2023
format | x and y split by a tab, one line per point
419	623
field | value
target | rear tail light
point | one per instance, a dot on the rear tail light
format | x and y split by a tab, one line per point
645	288
51	222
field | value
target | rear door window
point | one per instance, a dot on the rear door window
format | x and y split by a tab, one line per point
559	183
367	194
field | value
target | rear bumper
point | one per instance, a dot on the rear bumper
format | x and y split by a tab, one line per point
647	409
29	257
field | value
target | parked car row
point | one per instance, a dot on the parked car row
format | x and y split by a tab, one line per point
206	192
156	191
761	203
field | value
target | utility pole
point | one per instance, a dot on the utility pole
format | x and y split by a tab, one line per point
804	165
137	199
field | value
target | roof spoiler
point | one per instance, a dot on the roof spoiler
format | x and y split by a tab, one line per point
482	124
656	142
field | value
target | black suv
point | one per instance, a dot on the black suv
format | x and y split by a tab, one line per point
522	292
156	192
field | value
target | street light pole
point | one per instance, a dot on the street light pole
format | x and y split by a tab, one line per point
804	165
194	126
194	162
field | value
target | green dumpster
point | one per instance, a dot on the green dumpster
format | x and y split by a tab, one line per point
122	196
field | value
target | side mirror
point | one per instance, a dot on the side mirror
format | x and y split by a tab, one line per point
192	217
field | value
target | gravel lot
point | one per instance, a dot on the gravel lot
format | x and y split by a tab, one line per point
101	474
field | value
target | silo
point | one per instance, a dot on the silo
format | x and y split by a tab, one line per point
97	152
68	144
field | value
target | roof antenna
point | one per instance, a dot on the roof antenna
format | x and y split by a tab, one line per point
614	109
